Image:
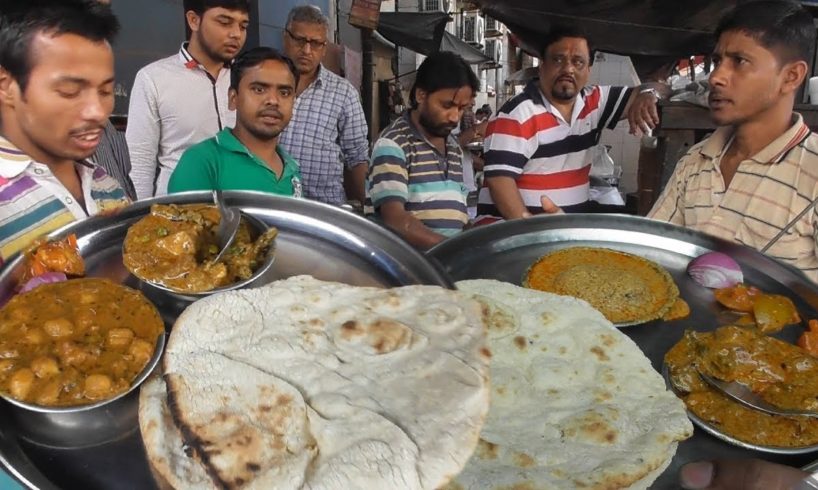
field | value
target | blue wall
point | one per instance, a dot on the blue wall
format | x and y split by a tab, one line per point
273	15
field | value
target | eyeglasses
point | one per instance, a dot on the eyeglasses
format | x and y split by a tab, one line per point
315	44
563	61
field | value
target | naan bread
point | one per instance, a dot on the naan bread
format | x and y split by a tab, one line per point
384	388
575	403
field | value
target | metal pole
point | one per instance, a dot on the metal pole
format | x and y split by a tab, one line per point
367	78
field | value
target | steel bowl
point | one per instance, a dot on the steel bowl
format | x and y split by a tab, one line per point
83	425
163	294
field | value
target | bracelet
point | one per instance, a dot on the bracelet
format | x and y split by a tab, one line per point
651	90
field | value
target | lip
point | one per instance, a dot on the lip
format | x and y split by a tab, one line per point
231	47
87	140
716	102
270	119
566	79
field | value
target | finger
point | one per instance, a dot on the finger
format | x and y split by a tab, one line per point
654	114
750	474
548	205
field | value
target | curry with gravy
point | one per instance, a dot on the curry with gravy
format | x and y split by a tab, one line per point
75	342
783	374
175	246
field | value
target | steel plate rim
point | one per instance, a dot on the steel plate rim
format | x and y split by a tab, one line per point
728	438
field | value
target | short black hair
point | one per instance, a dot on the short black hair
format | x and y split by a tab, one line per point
561	31
22	20
254	57
443	70
199	7
781	26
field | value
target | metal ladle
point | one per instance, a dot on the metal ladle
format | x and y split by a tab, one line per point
744	395
229	220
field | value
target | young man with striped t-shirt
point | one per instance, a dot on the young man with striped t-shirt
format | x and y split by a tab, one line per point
535	148
415	182
56	93
754	181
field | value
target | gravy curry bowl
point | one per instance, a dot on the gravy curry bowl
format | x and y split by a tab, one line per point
171	252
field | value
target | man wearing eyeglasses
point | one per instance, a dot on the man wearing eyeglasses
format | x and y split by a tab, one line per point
328	131
535	148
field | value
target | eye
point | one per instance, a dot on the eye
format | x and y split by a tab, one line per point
285	92
68	94
258	90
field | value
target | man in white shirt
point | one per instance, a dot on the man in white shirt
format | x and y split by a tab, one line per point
181	100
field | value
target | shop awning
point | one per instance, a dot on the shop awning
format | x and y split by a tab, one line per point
425	33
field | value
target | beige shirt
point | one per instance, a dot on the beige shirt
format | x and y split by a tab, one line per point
768	191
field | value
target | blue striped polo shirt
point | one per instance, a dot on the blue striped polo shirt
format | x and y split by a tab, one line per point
406	168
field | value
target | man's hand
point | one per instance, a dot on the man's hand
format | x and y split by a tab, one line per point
749	474
642	113
548	207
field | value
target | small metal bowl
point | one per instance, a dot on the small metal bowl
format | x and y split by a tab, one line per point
83	425
162	295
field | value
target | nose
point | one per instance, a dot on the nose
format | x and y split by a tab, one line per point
236	31
97	108
454	116
307	47
718	77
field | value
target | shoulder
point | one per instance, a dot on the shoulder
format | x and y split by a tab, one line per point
519	107
159	67
204	149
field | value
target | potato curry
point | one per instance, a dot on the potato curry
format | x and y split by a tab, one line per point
175	246
783	374
75	342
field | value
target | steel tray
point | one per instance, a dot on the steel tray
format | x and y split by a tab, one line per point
504	251
317	239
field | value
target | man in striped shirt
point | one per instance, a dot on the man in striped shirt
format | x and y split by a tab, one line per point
415	182
56	93
535	148
754	181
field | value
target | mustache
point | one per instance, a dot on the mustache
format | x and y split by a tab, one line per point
270	113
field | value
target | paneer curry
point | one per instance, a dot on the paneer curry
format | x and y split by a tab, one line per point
783	374
175	246
75	342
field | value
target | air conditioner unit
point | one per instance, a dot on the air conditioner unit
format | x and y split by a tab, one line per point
474	30
493	27
434	5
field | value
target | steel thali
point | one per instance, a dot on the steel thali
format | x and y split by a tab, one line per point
504	251
316	239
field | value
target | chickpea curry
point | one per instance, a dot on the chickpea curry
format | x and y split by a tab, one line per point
175	246
781	373
75	342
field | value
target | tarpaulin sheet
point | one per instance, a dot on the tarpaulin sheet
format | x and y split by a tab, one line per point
425	33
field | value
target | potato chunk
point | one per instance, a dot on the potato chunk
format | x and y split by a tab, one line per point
20	383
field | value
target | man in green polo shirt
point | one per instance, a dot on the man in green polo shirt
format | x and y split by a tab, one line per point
248	157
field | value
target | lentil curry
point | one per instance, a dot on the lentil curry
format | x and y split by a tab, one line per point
625	288
75	342
175	246
783	374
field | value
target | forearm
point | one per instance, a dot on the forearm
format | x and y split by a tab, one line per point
409	227
355	182
506	197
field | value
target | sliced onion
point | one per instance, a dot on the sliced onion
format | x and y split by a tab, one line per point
715	270
45	278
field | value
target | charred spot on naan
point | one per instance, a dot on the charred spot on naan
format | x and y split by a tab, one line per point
378	337
627	289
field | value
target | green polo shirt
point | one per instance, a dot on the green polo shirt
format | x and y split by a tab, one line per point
224	163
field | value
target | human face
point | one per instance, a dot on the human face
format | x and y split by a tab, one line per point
264	100
440	112
70	94
565	68
305	43
748	80
219	32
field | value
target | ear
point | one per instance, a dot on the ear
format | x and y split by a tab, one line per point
793	75
193	20
231	99
421	96
8	88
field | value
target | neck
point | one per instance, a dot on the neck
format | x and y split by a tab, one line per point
750	137
262	148
15	138
200	55
438	141
305	79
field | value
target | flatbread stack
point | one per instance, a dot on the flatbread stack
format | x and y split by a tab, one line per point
311	384
575	403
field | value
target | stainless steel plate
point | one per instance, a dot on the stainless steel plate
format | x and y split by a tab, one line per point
314	238
504	251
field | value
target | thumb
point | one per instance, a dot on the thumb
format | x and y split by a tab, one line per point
548	206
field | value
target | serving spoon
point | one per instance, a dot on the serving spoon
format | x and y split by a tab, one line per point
744	395
229	221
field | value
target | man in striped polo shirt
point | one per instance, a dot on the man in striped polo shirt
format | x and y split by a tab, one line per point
754	181
56	93
535	147
415	182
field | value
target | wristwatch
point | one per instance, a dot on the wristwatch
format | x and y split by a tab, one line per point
651	90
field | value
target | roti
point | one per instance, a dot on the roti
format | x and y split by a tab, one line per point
305	383
575	403
627	289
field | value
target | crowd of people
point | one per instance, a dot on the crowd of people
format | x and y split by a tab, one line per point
222	115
